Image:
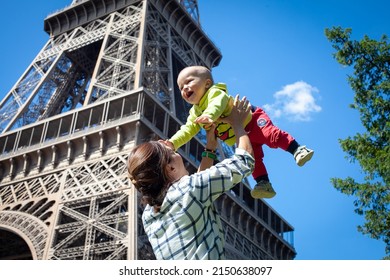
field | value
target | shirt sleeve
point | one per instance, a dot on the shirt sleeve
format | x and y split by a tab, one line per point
186	132
209	184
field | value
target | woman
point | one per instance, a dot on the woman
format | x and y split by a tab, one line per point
179	218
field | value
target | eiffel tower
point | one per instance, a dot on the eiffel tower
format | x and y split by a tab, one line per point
104	82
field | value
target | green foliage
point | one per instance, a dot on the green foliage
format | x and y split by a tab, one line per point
370	81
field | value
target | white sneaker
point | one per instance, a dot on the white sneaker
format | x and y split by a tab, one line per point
303	155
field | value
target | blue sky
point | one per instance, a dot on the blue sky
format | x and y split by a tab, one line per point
276	54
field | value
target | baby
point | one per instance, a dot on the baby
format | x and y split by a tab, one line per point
210	103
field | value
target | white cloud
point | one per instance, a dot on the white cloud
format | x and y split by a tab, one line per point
295	101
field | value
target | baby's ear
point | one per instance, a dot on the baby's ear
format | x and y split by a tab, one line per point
209	83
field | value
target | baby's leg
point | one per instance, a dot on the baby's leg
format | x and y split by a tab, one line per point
263	187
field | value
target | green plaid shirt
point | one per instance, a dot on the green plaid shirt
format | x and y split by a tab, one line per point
188	225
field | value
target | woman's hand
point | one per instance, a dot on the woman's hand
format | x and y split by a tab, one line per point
240	110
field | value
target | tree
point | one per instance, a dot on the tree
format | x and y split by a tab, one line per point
370	81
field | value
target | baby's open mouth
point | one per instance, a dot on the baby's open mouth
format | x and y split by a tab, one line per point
189	94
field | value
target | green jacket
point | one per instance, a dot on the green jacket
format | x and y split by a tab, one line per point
215	103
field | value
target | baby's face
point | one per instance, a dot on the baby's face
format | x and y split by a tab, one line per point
192	86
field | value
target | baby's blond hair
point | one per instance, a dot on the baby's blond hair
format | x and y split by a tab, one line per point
200	71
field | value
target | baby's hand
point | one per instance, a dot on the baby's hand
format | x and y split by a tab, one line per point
167	143
204	119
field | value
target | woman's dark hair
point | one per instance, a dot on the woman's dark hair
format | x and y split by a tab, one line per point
147	171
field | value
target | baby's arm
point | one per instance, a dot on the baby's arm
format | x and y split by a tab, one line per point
185	133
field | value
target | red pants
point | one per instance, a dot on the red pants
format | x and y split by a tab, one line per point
261	131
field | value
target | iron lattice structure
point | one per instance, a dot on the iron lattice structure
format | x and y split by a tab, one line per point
104	82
